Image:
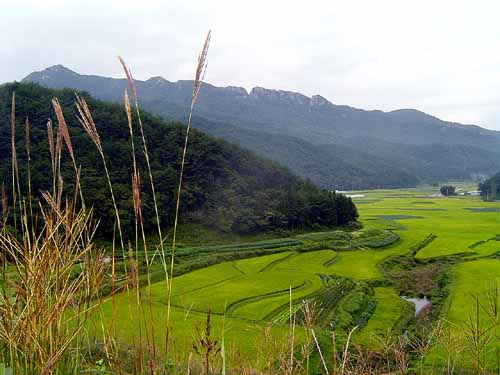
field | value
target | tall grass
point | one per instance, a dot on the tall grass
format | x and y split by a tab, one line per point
53	278
198	79
52	271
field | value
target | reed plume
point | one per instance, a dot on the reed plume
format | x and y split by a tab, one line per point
133	89
199	75
87	121
63	128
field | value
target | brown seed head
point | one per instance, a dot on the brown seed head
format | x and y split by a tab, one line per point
130	79
63	127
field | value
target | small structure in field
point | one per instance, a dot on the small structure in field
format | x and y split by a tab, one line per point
349	194
474	193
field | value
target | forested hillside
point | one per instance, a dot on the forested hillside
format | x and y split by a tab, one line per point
336	146
225	186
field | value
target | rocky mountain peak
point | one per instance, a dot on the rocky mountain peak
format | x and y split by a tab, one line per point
279	96
158	80
319	101
49	73
235	90
58	69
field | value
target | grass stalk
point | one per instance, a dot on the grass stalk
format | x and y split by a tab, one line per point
15	167
86	120
199	75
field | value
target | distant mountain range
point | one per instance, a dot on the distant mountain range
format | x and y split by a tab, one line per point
335	146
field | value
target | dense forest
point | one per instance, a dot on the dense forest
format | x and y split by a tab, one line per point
225	186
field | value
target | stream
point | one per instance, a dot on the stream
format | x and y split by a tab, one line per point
420	303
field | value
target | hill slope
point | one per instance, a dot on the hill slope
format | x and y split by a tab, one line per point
333	145
225	186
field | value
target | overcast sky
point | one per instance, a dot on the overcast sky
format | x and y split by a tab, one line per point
442	57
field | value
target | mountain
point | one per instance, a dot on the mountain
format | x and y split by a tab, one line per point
336	146
225	186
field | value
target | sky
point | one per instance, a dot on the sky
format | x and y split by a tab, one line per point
441	57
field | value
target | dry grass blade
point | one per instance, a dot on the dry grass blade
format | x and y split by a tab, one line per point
319	351
50	135
87	121
128	110
57	162
13	139
45	306
200	69
28	157
146	155
60	184
5	205
346	349
52	149
27	128
52	203
137	201
136	194
15	166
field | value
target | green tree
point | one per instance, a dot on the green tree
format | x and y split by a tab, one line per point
447	190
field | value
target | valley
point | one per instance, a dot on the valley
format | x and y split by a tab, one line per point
355	277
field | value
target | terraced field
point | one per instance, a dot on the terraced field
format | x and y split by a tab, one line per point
355	277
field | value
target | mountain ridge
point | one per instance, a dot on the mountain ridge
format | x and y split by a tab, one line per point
315	100
415	139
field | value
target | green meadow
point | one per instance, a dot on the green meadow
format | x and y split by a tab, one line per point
356	276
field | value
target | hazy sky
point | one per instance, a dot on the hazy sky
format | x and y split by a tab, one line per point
440	56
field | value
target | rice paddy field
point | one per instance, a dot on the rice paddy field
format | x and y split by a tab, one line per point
410	238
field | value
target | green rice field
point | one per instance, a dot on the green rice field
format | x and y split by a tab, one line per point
356	277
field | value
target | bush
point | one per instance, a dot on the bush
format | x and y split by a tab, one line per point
447	190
